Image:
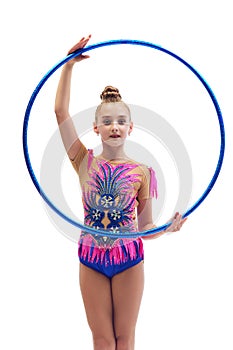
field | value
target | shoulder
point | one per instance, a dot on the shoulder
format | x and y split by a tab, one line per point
149	180
143	168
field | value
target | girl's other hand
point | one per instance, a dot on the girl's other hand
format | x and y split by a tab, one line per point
177	223
80	45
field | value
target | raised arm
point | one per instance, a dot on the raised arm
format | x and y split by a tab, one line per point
62	101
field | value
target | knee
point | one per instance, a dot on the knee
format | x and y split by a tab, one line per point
104	343
125	342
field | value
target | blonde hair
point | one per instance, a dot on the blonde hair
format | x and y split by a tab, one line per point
110	94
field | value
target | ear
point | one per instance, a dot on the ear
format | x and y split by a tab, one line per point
130	128
95	128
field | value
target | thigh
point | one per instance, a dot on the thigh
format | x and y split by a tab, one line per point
97	298
127	290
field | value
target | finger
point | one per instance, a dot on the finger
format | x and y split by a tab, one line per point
171	228
180	224
84	57
86	39
183	221
179	218
80	44
74	48
176	222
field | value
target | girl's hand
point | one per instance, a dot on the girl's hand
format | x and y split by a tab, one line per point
177	223
80	45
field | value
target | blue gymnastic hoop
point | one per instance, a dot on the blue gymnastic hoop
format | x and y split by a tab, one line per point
96	46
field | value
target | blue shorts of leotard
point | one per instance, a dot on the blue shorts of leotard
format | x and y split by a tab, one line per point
111	270
106	265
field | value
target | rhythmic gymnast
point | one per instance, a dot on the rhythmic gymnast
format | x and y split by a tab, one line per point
117	195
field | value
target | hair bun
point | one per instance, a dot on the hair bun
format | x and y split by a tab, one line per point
110	94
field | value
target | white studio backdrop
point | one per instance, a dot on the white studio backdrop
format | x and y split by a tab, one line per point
187	301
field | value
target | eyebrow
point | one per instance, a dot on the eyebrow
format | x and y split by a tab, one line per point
119	116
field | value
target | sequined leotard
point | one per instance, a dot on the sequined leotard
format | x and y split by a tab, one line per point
111	192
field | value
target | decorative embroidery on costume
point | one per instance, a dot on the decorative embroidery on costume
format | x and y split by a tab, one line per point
109	199
153	184
116	255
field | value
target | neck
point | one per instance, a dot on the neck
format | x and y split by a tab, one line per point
110	153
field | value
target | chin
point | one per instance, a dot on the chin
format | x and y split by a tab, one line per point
114	142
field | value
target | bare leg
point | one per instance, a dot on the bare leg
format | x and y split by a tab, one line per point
127	290
97	298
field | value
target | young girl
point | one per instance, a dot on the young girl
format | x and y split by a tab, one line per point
117	196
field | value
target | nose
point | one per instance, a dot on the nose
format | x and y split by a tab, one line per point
114	126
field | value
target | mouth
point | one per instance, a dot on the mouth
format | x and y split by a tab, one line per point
114	136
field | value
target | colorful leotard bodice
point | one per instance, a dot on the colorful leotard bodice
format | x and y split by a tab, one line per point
111	192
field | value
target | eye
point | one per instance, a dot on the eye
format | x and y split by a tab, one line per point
121	121
107	122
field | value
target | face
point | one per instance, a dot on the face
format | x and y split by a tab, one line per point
113	123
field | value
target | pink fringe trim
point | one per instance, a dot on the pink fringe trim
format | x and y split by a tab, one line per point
90	158
116	255
153	184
